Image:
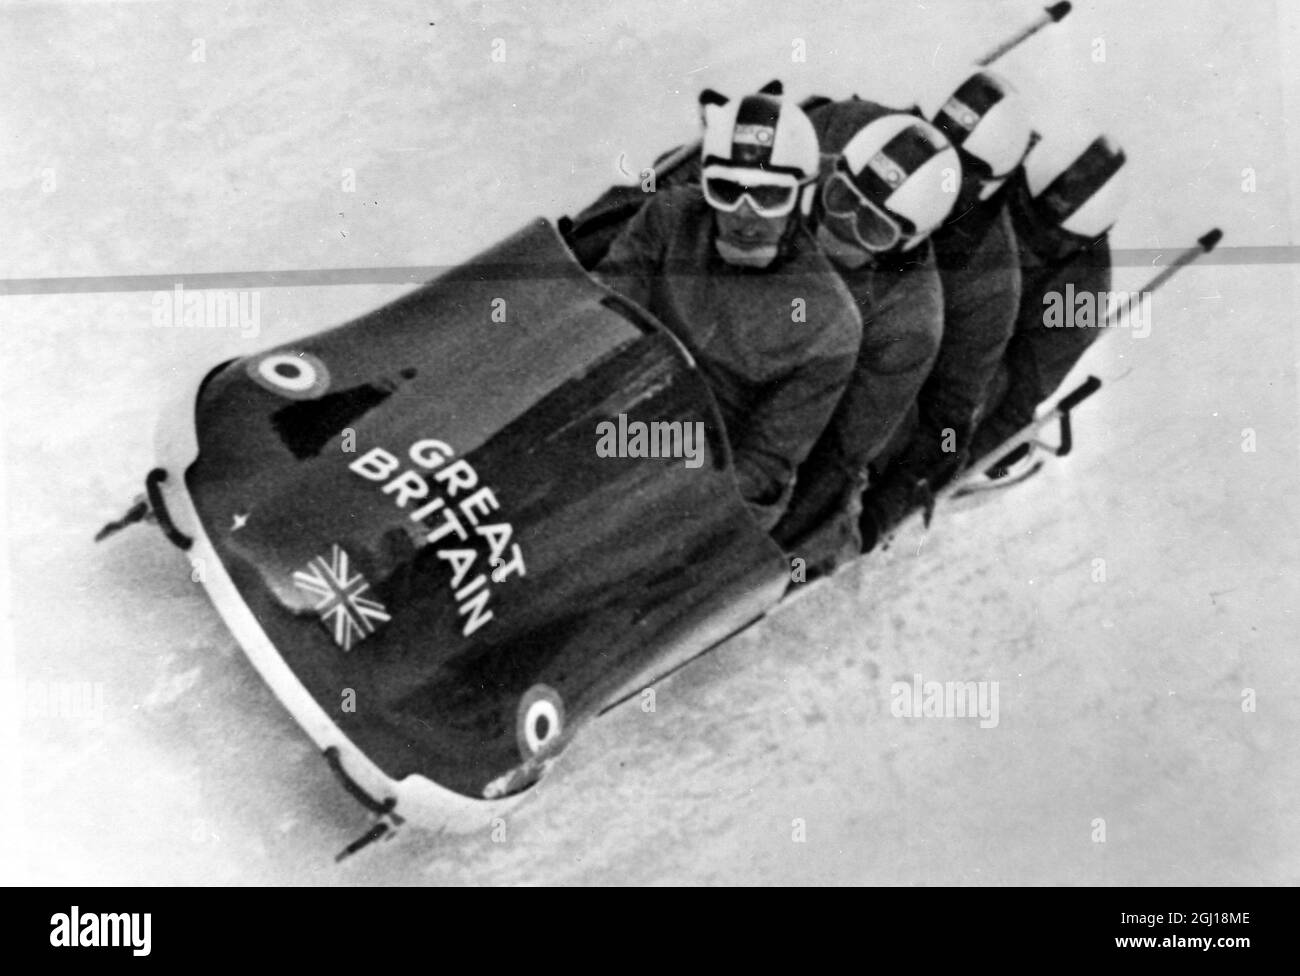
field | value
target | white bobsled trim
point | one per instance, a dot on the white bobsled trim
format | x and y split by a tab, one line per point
419	800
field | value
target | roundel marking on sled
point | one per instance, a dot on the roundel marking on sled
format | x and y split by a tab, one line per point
296	375
539	720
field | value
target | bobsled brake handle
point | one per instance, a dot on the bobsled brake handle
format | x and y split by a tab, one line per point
174	535
1085	389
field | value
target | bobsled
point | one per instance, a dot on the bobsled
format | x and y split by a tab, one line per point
410	526
406	524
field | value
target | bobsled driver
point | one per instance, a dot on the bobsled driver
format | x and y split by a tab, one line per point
881	195
732	269
1063	203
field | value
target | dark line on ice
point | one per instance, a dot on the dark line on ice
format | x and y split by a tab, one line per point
1268	254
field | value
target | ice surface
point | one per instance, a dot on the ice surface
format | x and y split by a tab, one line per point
1119	700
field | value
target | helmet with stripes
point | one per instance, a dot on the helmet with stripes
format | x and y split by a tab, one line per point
1073	182
984	118
892	186
759	148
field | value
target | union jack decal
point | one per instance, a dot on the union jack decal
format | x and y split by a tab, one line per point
349	616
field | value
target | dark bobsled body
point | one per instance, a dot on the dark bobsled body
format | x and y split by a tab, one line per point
406	522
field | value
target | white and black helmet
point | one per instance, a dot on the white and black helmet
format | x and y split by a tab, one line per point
896	182
760	148
985	119
1074	181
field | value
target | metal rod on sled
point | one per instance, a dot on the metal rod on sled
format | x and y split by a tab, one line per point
1061	412
1050	15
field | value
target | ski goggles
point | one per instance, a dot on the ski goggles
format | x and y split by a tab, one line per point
769	194
873	228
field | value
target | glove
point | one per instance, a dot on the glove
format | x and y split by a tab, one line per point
884	506
823	492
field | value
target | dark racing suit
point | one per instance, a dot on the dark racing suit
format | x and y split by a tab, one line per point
900	299
1038	357
978	266
776	376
